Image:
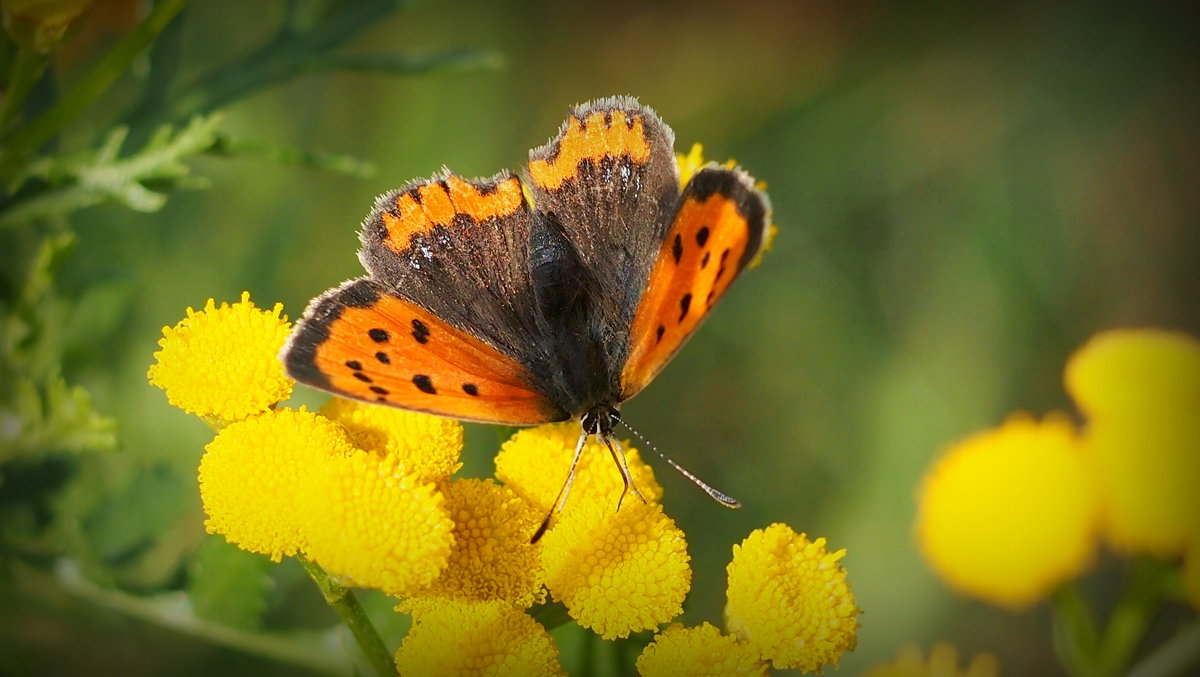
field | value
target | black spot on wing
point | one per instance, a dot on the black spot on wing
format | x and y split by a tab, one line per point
424	384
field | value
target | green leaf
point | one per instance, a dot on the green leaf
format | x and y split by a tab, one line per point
77	181
228	585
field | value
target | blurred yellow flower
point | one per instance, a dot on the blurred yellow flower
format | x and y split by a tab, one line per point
475	639
1140	390
698	652
617	572
254	470
222	363
789	601
534	463
370	523
427	446
1008	514
943	662
492	558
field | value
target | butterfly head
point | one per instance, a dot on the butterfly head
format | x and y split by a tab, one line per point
600	421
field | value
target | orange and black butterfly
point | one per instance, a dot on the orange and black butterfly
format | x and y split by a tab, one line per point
483	305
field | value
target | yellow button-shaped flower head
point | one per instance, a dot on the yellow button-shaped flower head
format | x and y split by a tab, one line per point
701	651
617	571
427	446
253	472
1140	391
475	639
372	524
942	662
222	363
534	463
492	557
1010	513
788	599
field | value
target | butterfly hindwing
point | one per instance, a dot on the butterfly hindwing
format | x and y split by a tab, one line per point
364	342
719	227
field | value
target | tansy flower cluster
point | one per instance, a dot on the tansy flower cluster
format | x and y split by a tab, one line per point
1013	514
1009	514
370	494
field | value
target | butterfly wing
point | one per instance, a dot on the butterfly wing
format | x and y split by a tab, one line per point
449	289
718	229
364	342
609	182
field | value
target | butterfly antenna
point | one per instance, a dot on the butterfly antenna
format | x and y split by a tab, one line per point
714	493
618	455
563	492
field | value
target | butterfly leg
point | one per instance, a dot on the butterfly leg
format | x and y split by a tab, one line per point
565	491
618	454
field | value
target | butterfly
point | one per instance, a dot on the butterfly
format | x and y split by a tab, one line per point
548	296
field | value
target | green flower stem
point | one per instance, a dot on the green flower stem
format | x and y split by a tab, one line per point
26	69
1075	637
1082	650
173	611
347	607
75	102
1174	657
1132	616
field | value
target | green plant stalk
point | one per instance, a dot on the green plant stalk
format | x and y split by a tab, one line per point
1174	657
1131	617
172	611
75	102
26	69
1075	637
351	612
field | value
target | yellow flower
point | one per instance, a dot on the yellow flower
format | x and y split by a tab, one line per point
254	470
371	524
788	599
1125	370
1010	513
492	557
427	446
943	662
534	463
476	639
698	652
221	363
1140	390
617	572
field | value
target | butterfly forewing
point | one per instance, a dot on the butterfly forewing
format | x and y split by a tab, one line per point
719	227
363	342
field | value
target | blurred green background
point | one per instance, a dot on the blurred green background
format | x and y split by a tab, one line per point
963	194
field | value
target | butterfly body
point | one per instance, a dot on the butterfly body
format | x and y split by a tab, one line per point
484	305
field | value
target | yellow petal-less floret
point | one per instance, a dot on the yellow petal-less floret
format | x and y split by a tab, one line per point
1140	390
1008	514
534	463
1124	370
942	662
253	471
370	523
428	446
617	572
222	363
700	651
788	599
475	639
492	557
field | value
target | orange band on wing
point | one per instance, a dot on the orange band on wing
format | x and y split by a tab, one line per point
397	353
424	207
702	254
601	134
